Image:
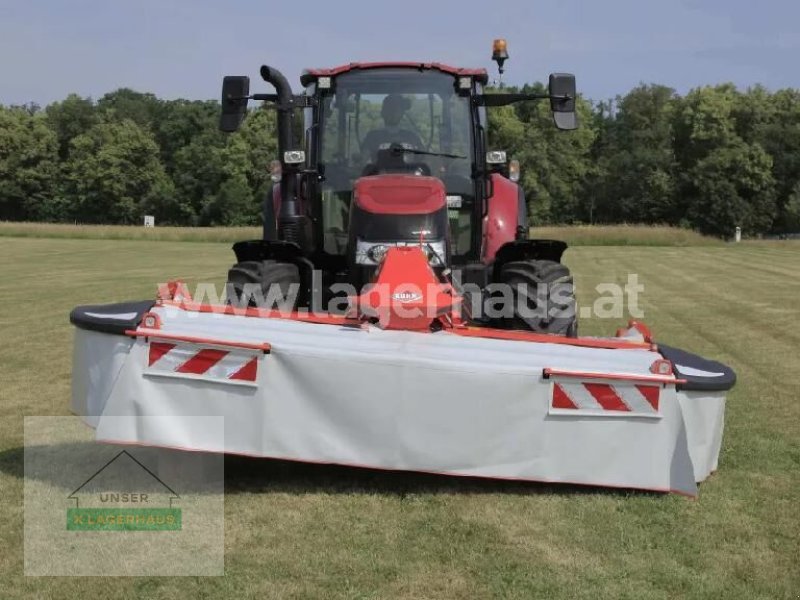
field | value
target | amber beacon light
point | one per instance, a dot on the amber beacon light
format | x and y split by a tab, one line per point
500	52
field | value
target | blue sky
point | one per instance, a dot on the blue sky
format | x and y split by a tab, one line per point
182	48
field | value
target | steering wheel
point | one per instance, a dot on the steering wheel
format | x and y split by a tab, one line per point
390	161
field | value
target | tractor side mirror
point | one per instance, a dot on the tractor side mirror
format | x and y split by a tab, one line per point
562	100
235	90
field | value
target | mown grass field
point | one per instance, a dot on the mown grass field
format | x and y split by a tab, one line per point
296	531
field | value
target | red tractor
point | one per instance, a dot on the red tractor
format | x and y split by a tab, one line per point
394	205
396	154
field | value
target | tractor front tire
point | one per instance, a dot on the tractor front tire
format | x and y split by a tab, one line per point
544	297
264	284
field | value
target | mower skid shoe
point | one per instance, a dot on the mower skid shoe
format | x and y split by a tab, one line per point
403	400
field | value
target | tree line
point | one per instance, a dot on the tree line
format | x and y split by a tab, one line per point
711	160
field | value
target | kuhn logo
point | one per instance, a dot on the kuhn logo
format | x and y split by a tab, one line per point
406	296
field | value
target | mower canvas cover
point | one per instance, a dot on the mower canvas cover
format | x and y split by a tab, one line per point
617	412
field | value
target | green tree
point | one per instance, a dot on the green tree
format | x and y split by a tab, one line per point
704	122
638	160
114	175
791	211
28	166
182	122
732	187
777	130
727	180
70	118
253	147
144	109
245	159
232	205
192	151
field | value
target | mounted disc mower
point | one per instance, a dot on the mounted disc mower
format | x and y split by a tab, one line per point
395	313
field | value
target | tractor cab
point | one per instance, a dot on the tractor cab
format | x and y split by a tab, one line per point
390	120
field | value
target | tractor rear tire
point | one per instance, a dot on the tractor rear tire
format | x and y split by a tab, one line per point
544	297
253	283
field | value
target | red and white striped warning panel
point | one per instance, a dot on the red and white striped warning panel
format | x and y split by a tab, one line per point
193	361
598	399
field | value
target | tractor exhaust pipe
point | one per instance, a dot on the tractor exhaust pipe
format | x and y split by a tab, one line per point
293	225
285	110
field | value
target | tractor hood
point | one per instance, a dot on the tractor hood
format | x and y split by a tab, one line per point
399	194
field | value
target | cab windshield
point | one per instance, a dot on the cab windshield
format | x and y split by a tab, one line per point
389	121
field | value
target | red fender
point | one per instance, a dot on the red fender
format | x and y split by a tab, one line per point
502	218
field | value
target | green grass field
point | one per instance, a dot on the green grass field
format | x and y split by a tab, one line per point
296	531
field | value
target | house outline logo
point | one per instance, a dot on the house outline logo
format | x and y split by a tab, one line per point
124	518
